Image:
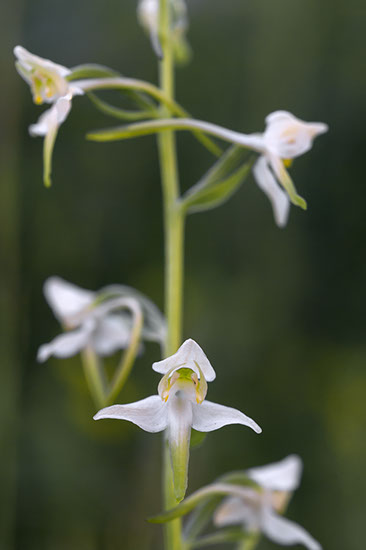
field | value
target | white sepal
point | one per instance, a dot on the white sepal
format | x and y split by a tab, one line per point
283	531
67	344
284	475
66	299
149	413
189	355
208	416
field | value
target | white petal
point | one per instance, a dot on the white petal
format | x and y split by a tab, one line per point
187	356
267	182
283	531
234	511
112	333
50	120
208	417
64	345
150	414
66	300
284	475
47	122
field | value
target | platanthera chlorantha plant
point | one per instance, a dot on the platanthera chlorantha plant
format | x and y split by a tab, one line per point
119	319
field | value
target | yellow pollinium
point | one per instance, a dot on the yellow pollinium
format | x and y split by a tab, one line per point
166	384
185	377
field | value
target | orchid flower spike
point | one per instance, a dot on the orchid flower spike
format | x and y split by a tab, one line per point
100	320
285	138
49	84
260	510
180	406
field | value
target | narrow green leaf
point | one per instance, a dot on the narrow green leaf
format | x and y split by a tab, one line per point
228	161
212	195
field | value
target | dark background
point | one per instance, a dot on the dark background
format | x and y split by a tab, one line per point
280	313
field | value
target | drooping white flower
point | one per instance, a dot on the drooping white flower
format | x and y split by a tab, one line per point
101	320
49	84
259	510
180	406
285	138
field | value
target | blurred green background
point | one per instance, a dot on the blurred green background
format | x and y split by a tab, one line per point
280	313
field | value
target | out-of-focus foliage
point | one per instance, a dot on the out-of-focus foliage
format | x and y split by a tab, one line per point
280	313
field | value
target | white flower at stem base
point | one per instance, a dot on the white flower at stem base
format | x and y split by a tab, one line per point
285	138
259	510
89	321
48	84
179	407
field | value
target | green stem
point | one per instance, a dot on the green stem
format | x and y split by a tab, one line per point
94	376
249	542
173	218
129	356
174	239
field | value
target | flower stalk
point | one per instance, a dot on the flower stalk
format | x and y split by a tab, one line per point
174	242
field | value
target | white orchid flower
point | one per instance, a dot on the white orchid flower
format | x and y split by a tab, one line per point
148	16
92	319
285	138
259	510
180	406
49	84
